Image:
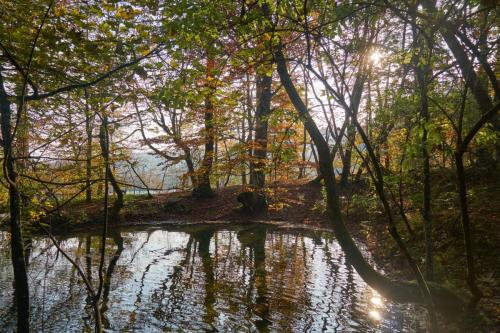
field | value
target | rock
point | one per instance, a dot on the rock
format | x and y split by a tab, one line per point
252	202
175	205
203	191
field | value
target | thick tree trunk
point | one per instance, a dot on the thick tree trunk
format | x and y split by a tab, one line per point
255	201
262	113
203	188
21	289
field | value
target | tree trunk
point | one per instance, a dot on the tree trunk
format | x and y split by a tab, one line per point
88	152
104	142
302	169
346	159
426	204
351	131
21	289
423	73
203	188
462	192
190	166
262	113
249	108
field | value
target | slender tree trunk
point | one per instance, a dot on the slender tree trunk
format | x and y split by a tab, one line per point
189	164
242	154
88	151
21	289
304	133
302	169
22	143
480	93
346	160
426	204
104	142
423	73
149	195
249	139
351	131
468	241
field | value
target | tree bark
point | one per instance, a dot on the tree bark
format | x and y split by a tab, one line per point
258	179
468	241
351	131
104	142
21	289
88	151
203	188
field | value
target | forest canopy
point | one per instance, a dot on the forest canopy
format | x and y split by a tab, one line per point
103	101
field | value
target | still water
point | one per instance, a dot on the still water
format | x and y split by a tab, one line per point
252	278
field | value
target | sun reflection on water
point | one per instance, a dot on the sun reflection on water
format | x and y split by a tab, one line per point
377	306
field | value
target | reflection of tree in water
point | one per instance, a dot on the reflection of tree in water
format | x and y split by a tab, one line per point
118	240
250	279
138	298
344	300
255	239
203	239
88	272
288	275
53	286
169	298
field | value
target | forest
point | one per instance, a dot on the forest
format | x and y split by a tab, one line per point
249	166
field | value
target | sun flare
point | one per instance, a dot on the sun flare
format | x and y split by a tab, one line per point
376	56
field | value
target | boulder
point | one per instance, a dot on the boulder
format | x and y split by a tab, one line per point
175	205
252	202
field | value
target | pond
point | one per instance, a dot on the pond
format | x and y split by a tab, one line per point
252	278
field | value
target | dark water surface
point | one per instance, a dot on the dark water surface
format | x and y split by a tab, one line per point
203	279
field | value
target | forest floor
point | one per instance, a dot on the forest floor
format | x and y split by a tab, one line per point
293	202
300	202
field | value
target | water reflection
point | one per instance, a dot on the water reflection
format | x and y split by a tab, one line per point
254	239
201	279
